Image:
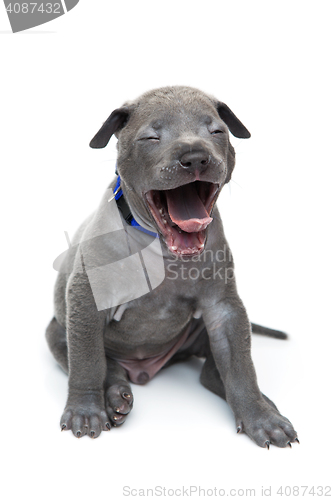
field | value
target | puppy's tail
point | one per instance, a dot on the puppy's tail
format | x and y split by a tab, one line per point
268	332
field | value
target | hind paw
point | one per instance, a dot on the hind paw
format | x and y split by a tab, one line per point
119	403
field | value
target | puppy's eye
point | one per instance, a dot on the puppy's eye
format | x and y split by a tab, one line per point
217	132
150	138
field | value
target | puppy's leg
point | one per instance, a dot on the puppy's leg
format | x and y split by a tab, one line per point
56	339
85	411
210	376
79	423
230	340
118	393
211	379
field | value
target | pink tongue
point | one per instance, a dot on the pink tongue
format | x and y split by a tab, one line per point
186	209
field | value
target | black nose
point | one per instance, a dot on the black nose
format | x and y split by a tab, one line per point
195	160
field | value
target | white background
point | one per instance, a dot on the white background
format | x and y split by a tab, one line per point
271	63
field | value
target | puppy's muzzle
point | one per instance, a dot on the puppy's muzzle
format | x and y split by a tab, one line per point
195	161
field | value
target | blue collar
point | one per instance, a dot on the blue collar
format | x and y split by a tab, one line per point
125	210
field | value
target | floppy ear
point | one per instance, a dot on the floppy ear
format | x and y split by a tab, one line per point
234	125
115	122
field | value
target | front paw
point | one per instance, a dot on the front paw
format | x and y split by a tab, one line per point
85	414
265	425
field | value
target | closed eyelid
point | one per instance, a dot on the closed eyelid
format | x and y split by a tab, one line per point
148	135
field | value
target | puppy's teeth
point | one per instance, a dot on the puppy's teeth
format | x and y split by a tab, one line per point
202	245
161	210
174	248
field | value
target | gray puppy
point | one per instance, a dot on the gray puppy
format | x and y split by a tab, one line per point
148	279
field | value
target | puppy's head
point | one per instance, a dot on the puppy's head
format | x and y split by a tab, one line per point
174	156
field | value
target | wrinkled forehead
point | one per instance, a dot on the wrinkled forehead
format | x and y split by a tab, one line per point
173	109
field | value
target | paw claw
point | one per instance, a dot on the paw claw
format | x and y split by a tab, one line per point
266	426
118	424
108	426
297	440
85	414
239	429
119	403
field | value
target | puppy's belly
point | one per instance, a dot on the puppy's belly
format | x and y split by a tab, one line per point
141	368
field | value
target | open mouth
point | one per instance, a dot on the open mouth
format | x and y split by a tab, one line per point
183	214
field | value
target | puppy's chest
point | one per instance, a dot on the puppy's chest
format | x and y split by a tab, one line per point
150	319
